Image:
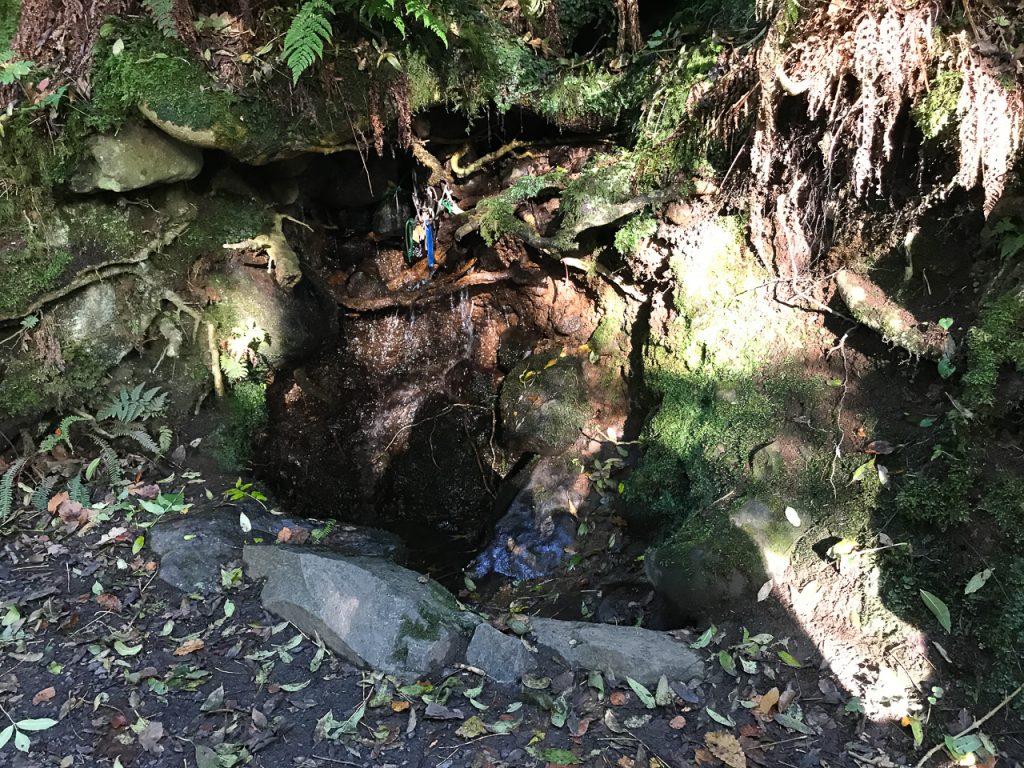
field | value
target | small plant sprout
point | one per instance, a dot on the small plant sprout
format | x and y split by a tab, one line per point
242	491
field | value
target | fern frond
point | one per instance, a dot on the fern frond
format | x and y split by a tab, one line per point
304	41
162	12
62	434
233	369
7	488
164	440
135	432
77	490
135	405
110	461
41	495
420	11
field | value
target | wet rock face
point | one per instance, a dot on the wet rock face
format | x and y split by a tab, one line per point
544	404
136	156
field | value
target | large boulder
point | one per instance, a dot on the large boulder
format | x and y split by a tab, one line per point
194	547
372	612
620	652
544	404
136	156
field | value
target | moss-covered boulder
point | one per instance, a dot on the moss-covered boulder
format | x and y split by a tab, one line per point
544	404
134	157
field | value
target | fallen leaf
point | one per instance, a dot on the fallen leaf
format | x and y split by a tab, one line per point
437	711
399	705
150	736
880	447
109	602
726	748
44	695
767	702
189	646
677	723
751	731
472	728
583	727
57	500
793	517
617	698
764	591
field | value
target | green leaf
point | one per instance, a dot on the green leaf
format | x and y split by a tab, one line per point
558	757
927	421
728	722
789	660
939	608
35	724
854	706
229	608
293	687
596	681
21	741
352	723
705	638
5	735
126	650
917	730
946	323
946	368
793	724
663	696
642	693
727	662
138	544
977	581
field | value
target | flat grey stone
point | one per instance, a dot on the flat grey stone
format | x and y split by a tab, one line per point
194	547
503	657
642	654
372	612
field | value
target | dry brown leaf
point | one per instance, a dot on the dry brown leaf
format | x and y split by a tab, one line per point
57	500
399	705
726	748
751	731
583	727
765	705
677	723
189	646
109	602
702	757
617	698
44	695
625	762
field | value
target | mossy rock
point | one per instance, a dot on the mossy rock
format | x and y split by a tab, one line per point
544	404
707	568
135	157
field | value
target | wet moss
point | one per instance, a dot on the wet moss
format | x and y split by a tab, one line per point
30	271
1004	501
631	234
996	341
245	416
937	108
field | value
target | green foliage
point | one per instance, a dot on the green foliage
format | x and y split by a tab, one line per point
937	108
940	497
1004	500
246	416
12	69
631	234
162	12
241	491
7	488
1011	237
42	492
498	213
62	434
134	405
108	457
1000	627
996	340
10	11
29	270
306	35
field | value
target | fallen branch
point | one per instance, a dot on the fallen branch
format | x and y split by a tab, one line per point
972	727
607	274
425	296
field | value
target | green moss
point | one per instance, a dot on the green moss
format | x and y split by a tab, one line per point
997	340
498	213
631	234
221	219
10	11
1004	500
607	337
937	108
30	271
578	96
942	499
246	415
21	389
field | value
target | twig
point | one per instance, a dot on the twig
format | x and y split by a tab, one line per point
972	727
429	294
838	447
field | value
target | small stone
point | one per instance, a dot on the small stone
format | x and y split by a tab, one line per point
504	658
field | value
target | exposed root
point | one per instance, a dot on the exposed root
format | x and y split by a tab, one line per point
104	271
428	294
281	257
437	171
466	170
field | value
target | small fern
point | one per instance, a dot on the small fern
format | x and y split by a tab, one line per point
136	432
77	490
164	438
109	458
7	488
41	495
420	11
162	12
62	434
232	368
134	405
304	41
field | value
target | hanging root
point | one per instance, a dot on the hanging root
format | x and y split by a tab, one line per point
465	170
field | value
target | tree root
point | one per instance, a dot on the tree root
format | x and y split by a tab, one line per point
281	257
104	271
466	170
437	171
429	294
